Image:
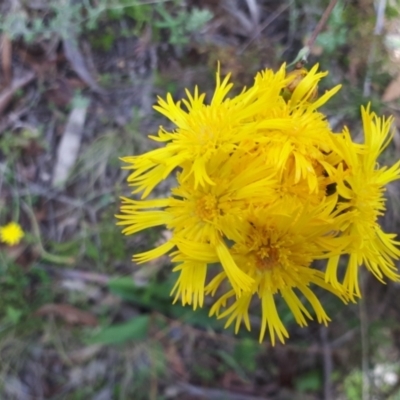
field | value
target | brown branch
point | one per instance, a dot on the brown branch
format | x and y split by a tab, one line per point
302	55
322	22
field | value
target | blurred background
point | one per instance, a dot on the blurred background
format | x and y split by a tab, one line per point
78	319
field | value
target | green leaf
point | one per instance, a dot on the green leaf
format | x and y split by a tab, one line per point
135	329
13	314
232	363
245	353
122	284
155	296
353	385
92	251
310	381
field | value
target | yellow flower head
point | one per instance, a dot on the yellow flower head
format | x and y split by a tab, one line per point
277	250
11	233
204	132
204	216
360	183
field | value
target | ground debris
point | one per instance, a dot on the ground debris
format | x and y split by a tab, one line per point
68	149
68	313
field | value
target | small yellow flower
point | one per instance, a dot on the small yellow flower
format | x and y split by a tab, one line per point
11	233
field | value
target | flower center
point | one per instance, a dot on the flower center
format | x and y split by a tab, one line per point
207	207
267	258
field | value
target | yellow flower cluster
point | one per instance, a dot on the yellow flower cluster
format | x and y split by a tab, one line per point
264	188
